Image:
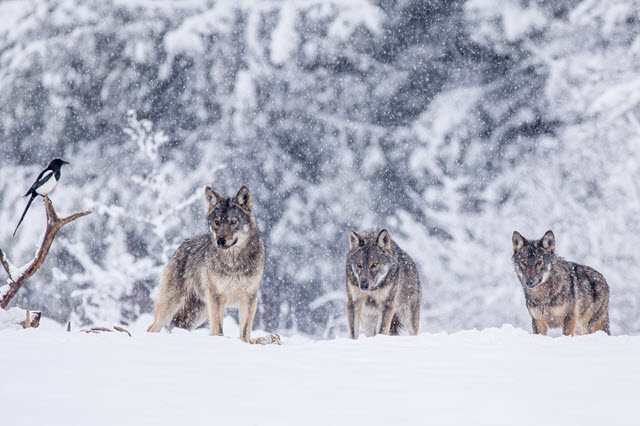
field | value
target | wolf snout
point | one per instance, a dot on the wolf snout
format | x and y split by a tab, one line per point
224	244
529	282
364	285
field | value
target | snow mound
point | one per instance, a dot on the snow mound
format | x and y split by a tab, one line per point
494	376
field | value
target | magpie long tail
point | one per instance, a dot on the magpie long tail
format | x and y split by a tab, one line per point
33	196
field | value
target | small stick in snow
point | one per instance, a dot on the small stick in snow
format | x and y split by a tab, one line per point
122	330
105	329
98	330
54	223
32	322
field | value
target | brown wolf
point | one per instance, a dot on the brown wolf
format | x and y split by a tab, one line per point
383	286
560	293
221	268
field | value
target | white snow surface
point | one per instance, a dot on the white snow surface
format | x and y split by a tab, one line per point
497	376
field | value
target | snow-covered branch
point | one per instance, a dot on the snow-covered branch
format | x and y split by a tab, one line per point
141	132
54	224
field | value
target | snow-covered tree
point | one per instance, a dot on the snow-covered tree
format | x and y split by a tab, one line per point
450	123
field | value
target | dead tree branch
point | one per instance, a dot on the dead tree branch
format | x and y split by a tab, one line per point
105	329
54	223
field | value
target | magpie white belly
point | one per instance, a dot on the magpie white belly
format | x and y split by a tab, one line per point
47	186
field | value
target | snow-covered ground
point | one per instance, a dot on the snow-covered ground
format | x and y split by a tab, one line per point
495	376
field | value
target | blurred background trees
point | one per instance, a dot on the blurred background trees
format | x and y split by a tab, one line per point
450	123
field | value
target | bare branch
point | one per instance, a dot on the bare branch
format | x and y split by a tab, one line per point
54	223
105	329
52	216
97	330
122	330
75	216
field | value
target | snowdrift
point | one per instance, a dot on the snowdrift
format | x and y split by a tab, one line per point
489	377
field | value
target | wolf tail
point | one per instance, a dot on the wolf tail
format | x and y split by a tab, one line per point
34	195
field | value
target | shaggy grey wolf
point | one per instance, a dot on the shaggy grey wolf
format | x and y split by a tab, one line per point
221	268
383	286
560	293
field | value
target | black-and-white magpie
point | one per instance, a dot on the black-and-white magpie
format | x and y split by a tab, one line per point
44	184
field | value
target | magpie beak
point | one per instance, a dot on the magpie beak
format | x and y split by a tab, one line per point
44	184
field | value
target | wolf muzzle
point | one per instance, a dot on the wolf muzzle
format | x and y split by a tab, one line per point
364	285
224	244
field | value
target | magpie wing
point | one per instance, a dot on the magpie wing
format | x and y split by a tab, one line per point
43	177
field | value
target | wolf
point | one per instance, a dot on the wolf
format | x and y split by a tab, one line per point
383	286
559	293
220	268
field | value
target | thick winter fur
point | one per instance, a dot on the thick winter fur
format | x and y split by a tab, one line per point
560	293
221	268
383	286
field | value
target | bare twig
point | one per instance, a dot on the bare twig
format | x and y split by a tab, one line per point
122	330
105	329
54	223
97	330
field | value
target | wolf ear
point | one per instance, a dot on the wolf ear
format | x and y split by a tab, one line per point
384	240
548	241
243	198
517	240
355	240
212	197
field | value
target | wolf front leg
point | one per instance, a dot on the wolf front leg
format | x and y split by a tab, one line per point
386	317
215	304
246	312
539	326
353	317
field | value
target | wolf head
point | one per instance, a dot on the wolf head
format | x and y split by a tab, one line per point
533	259
370	258
229	219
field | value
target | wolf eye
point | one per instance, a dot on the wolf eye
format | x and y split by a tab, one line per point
523	262
374	265
538	263
216	222
359	264
233	221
